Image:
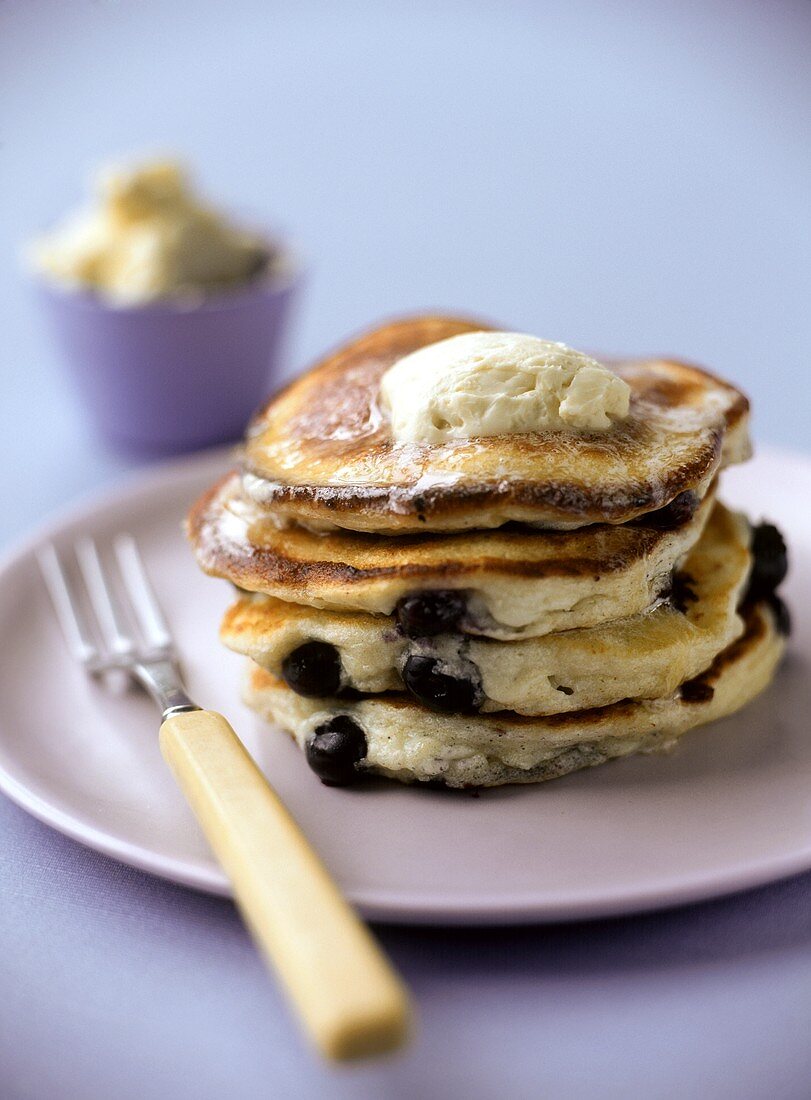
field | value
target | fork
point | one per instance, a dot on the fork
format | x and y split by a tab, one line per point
345	992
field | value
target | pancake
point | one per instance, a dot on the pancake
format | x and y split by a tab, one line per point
321	452
515	582
405	742
645	656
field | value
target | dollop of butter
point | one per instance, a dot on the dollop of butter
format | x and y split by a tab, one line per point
498	383
148	237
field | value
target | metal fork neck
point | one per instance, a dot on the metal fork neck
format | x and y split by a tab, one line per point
161	680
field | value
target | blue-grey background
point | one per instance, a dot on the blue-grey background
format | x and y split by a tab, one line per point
625	176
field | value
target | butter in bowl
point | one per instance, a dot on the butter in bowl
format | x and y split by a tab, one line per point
169	316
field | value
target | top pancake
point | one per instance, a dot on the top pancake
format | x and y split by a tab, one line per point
321	452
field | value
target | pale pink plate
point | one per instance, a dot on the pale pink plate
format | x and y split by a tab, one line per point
730	809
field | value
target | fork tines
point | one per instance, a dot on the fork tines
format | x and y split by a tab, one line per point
118	620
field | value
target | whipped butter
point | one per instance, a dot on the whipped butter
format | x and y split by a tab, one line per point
498	383
148	237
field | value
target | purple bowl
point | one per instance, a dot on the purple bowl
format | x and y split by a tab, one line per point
172	376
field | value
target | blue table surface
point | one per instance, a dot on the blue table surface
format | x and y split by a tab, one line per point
627	177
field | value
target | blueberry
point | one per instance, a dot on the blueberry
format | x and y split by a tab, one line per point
335	749
782	615
438	690
314	669
426	614
770	563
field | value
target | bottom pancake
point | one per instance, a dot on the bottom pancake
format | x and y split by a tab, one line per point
393	736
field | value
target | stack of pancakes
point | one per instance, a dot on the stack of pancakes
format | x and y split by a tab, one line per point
496	610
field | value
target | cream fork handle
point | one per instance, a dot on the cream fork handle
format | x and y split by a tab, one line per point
346	994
